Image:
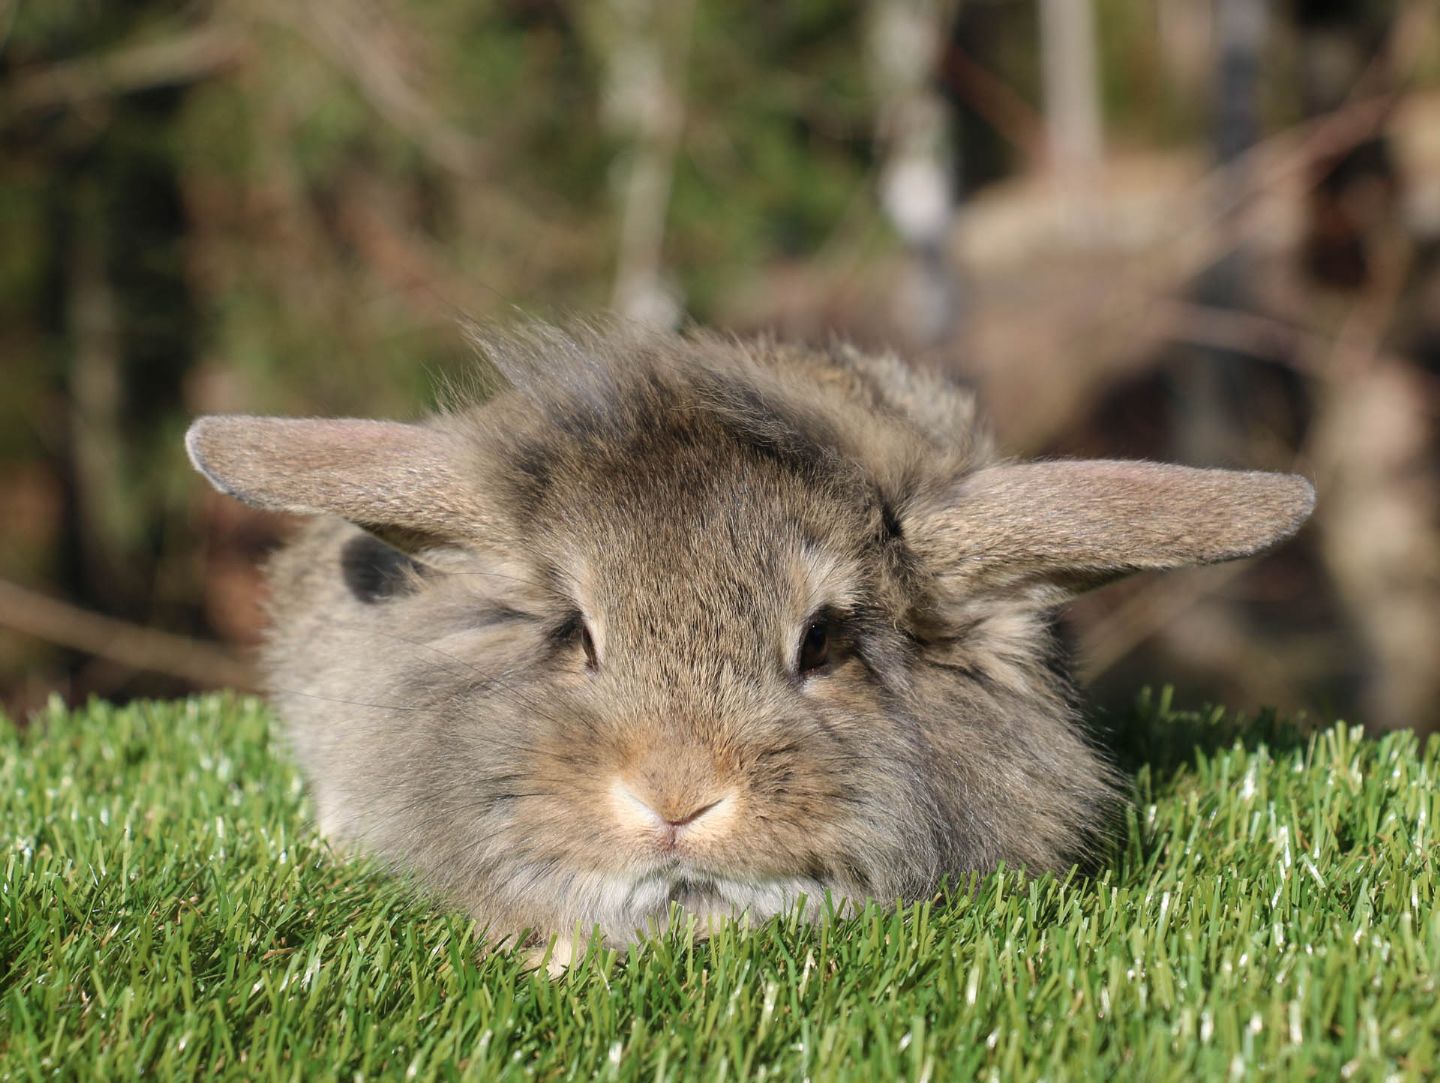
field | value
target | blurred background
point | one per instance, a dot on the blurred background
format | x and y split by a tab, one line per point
1199	230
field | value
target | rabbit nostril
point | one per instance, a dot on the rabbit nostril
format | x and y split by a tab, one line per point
666	814
695	814
636	804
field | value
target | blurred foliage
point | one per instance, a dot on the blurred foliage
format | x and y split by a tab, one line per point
291	215
288	165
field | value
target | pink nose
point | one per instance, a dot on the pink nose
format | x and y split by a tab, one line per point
667	812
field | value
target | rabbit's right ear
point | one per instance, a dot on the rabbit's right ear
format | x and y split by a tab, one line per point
404	483
1052	529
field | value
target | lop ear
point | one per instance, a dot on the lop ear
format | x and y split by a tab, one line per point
404	483
1064	527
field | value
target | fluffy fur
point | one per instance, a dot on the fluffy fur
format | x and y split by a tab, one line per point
552	658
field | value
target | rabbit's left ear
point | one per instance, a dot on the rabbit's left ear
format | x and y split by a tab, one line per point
407	484
1064	527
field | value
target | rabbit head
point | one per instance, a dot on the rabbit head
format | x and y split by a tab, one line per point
684	620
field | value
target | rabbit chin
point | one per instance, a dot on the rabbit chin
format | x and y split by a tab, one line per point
625	908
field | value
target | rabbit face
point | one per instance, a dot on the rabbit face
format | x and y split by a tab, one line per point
700	696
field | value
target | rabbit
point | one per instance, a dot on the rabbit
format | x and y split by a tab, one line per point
680	619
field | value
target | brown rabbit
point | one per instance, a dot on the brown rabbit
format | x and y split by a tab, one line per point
686	620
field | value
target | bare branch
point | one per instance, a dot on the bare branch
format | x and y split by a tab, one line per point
202	664
179	58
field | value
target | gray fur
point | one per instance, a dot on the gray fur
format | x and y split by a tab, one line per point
696	501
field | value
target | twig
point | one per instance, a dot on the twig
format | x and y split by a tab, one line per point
1257	335
353	38
181	58
202	664
996	102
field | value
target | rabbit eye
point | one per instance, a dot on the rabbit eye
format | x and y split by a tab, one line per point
814	647
575	631
587	644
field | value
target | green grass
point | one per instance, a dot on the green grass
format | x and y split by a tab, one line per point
1270	910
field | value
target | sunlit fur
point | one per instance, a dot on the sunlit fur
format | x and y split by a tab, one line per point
696	502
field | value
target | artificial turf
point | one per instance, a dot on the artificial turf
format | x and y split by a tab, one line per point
1269	911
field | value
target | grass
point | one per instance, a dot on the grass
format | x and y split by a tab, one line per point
1270	911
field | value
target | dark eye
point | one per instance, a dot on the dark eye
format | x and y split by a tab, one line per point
576	631
814	648
587	644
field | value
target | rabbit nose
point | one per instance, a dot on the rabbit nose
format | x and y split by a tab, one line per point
665	811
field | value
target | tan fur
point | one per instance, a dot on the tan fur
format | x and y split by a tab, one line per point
697	503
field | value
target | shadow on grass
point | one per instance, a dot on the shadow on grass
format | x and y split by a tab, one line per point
1154	733
1155	741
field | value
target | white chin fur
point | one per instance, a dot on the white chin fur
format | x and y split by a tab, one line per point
626	907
